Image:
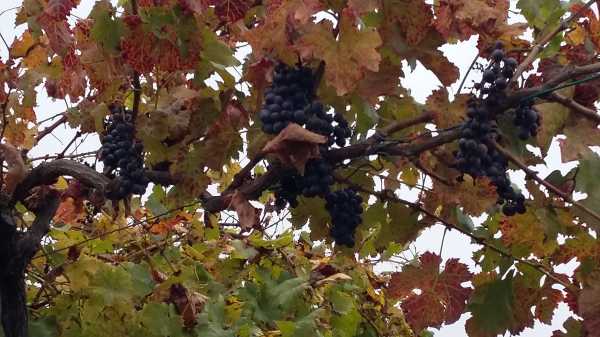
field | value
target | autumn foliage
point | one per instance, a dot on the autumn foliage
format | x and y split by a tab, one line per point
207	252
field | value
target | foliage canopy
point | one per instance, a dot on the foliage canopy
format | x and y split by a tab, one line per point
206	252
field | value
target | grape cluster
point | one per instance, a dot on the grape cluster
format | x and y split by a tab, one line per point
286	100
288	189
291	99
121	151
476	155
496	76
318	177
345	208
527	120
316	181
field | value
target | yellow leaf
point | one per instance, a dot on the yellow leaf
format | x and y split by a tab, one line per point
576	36
61	184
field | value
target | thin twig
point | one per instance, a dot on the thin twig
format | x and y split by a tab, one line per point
68	156
137	87
462	83
51	128
116	230
62	154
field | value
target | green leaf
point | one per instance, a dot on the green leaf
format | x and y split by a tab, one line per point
587	182
161	320
43	327
491	306
216	51
403	226
541	14
107	31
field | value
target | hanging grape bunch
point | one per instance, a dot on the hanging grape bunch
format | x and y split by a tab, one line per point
345	208
477	155
291	99
123	153
527	120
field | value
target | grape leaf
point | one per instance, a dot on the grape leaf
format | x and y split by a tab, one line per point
442	296
491	306
447	113
587	182
295	145
459	19
580	137
541	14
231	10
248	215
348	57
589	306
413	19
271	37
106	30
426	52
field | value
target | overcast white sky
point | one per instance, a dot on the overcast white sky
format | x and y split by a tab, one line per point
421	83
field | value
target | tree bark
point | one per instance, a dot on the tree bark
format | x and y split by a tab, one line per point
14	304
16	250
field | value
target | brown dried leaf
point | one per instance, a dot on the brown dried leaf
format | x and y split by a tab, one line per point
249	216
295	146
16	168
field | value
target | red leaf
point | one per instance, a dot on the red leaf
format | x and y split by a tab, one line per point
586	94
231	10
59	9
58	32
442	298
589	307
295	146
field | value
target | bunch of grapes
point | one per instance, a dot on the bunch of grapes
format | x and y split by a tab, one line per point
345	208
287	98
476	155
318	177
288	189
121	151
527	120
291	99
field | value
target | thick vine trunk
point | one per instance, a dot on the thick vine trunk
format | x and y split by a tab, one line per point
13	308
14	305
16	250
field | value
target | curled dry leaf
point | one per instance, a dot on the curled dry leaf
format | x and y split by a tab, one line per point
16	168
249	216
295	145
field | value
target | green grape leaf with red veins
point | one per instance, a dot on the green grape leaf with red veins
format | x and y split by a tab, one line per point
442	297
